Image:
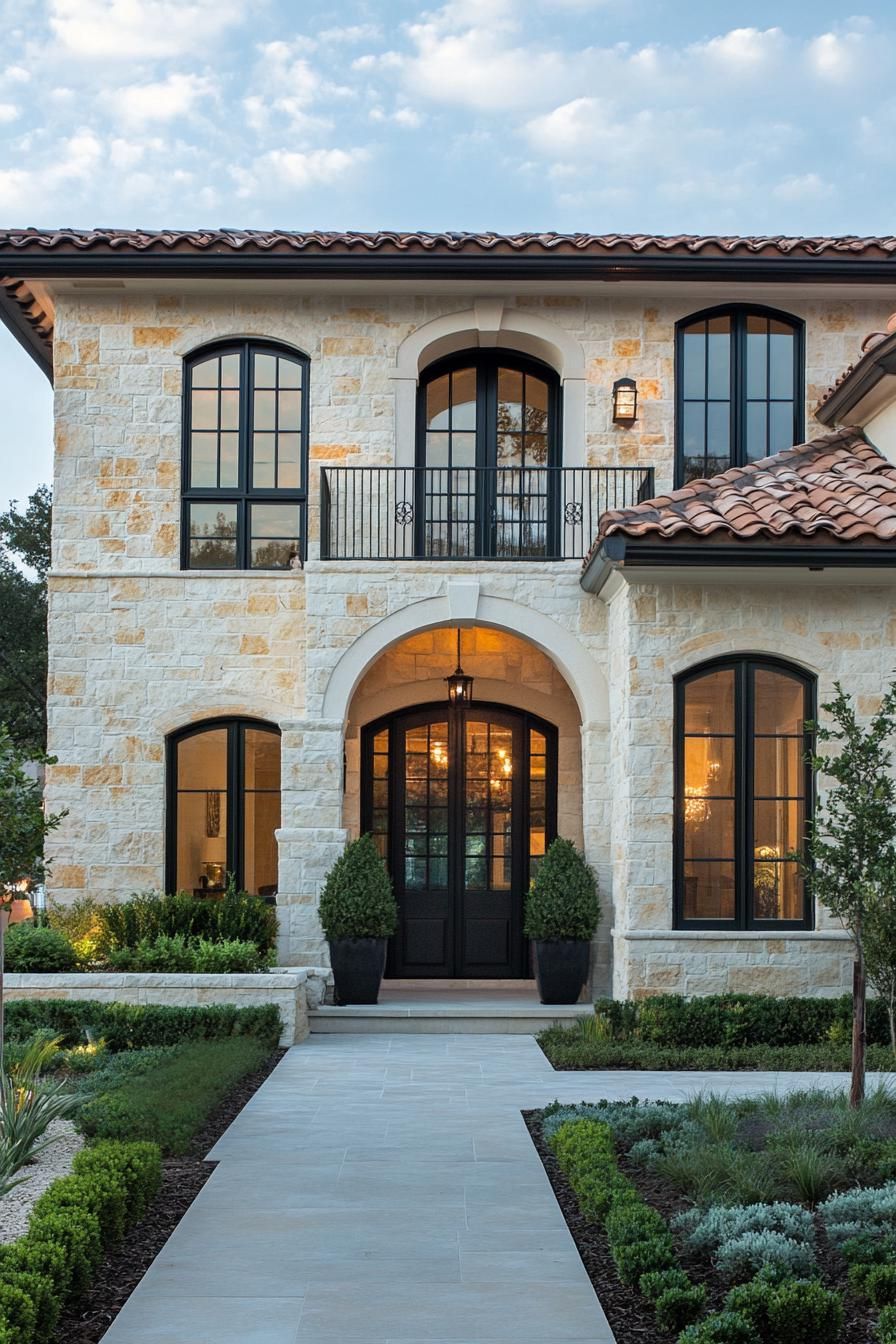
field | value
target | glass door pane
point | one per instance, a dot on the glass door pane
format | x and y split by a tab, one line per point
202	811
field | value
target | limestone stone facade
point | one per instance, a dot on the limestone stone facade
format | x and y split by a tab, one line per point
140	648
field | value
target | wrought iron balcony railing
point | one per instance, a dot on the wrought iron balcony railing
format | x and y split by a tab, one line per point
470	513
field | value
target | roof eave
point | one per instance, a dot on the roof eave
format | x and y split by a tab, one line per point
60	264
14	319
797	554
879	361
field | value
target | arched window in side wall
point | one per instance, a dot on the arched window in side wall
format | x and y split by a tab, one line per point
223	807
740	388
743	794
245	457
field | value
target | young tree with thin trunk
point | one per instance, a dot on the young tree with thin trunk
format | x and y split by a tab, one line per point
850	854
880	946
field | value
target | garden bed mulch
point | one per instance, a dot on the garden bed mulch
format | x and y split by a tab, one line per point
631	1317
86	1321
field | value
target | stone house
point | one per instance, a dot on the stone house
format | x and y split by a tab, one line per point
303	480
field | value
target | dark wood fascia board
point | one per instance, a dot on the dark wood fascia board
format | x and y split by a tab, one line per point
12	317
862	379
817	270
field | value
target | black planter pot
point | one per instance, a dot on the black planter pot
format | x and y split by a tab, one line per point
561	969
358	965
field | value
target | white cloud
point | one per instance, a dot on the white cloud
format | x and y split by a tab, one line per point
141	29
168	99
804	187
16	74
408	117
837	58
743	49
357	32
289	169
9	112
124	154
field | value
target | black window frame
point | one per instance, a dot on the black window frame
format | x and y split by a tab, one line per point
738	313
244	494
236	727
744	667
487	361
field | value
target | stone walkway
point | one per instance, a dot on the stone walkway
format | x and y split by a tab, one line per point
384	1189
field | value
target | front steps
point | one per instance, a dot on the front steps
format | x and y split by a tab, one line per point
442	1007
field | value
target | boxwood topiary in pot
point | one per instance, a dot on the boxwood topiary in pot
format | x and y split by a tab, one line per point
358	915
562	913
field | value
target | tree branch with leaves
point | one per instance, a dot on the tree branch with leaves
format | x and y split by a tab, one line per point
850	859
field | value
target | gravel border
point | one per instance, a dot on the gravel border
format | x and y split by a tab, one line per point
54	1161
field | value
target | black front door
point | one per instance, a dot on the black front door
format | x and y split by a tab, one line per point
462	802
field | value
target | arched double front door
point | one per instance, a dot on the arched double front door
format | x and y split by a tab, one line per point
462	802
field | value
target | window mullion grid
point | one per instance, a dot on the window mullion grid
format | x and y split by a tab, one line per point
737	452
705	397
743	810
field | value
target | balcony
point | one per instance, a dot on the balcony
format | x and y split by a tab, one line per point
470	513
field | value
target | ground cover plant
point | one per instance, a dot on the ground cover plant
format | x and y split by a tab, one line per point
766	1220
141	1099
725	1031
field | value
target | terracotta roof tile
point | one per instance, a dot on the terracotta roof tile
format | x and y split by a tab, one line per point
836	488
257	240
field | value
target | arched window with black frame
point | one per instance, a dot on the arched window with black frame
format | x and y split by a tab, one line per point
223	807
743	794
488	448
245	457
740	388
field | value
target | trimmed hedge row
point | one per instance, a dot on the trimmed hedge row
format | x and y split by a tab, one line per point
639	1240
132	1026
567	1048
739	1020
72	1226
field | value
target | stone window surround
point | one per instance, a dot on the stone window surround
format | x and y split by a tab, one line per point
488	325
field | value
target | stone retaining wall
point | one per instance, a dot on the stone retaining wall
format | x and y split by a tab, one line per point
293	990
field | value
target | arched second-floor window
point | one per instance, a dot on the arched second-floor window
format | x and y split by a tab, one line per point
743	794
488	446
245	460
739	388
223	807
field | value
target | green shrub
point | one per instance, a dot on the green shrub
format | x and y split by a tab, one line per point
876	1282
584	1150
885	1330
628	1120
642	1257
562	901
171	1102
357	900
804	1313
30	948
164	953
658	1281
678	1307
231	956
175	954
131	1026
147	916
70	1224
723	1327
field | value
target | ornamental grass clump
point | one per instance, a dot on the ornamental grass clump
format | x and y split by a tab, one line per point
562	902
357	900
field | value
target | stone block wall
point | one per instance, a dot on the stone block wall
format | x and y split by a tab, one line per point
139	648
659	630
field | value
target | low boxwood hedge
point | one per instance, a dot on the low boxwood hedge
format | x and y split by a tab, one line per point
70	1227
132	1026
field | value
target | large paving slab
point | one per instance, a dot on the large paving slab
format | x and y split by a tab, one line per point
384	1189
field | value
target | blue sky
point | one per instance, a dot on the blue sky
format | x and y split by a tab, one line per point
497	114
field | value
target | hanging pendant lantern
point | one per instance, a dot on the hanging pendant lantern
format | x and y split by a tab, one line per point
460	686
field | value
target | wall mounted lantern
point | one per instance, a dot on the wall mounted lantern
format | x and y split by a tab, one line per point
625	401
460	686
